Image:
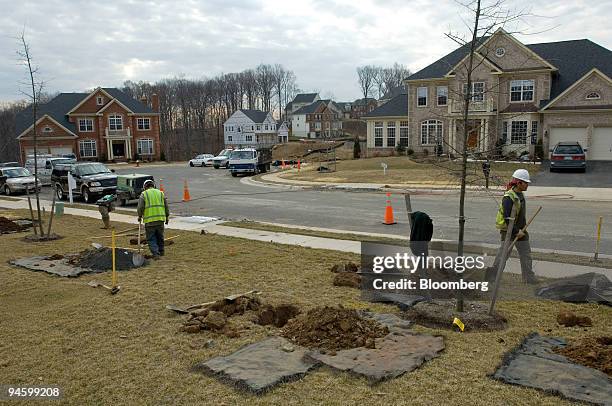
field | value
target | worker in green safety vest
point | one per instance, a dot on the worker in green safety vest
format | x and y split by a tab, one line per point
514	197
154	212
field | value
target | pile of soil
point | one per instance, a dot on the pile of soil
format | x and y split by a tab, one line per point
350	279
102	259
9	226
441	313
347	267
571	319
278	315
333	329
593	352
215	316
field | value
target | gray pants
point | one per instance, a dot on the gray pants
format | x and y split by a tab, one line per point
155	237
524	250
104	211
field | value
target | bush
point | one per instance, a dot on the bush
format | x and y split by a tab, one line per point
162	156
439	150
425	152
410	151
356	148
539	150
400	149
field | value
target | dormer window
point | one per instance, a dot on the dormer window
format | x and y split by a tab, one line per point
99	100
593	96
47	129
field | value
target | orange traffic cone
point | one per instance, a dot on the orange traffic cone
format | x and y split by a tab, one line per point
161	186
186	196
299	165
283	164
389	212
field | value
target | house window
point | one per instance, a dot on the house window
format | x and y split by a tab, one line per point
249	138
390	134
431	132
404	139
143	123
521	90
534	132
144	146
593	96
505	132
477	93
266	127
259	127
422	96
518	132
499	52
229	138
87	149
442	95
47	129
85	125
99	100
378	134
239	129
115	122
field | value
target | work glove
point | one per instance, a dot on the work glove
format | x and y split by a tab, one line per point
139	220
520	234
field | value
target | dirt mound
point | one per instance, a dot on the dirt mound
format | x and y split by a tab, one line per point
441	313
215	316
102	259
570	319
350	279
278	315
333	329
9	226
593	352
347	267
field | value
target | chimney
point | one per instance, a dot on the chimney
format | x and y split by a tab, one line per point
143	100
155	102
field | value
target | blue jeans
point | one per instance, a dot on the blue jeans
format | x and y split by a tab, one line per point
155	238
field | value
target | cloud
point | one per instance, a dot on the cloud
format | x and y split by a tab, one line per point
83	44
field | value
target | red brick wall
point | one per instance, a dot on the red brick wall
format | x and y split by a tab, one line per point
90	105
46	140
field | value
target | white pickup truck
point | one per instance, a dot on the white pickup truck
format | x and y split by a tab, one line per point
222	160
250	160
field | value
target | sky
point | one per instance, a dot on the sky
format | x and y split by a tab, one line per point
79	45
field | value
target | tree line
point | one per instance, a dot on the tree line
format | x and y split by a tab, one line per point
375	81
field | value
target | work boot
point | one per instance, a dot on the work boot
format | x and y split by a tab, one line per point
530	279
107	224
490	274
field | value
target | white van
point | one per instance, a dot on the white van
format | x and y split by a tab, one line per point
45	166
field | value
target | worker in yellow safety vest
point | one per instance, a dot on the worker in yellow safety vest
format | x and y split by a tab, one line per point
514	197
154	212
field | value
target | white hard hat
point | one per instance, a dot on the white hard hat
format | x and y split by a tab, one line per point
150	182
521	174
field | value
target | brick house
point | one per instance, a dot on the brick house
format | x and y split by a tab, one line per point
104	125
363	106
323	118
521	94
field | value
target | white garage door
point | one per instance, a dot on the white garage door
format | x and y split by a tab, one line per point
61	150
601	145
568	135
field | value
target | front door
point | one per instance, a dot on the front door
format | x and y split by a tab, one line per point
119	149
472	139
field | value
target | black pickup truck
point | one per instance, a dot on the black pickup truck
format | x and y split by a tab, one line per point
93	179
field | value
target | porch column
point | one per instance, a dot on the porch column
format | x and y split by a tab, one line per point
486	135
109	147
128	148
451	136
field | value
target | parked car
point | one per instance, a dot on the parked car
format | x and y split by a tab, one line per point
279	162
45	166
250	160
568	155
129	187
9	164
222	159
17	180
201	160
93	180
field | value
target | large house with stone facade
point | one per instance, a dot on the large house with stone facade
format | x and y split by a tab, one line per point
520	95
103	125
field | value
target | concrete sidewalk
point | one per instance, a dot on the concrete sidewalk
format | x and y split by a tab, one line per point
542	268
544	192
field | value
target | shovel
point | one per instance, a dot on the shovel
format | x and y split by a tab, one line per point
228	299
137	257
95	284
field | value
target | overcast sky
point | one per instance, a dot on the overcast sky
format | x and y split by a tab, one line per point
81	44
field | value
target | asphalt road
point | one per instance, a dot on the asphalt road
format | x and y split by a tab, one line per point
562	224
597	175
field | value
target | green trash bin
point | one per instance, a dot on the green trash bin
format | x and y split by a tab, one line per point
59	209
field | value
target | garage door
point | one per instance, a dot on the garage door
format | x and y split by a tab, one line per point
568	135
58	151
601	144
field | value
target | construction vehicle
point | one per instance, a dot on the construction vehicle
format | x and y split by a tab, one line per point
129	187
250	160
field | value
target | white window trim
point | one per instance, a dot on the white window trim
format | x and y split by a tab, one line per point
86	131
99	101
522	90
426	96
596	96
115	117
148	142
427	123
438	95
473	93
527	134
144	119
88	141
378	125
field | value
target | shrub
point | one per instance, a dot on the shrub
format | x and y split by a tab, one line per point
400	149
539	150
356	148
162	156
425	152
410	151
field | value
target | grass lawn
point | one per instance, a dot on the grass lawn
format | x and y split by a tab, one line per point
126	349
439	246
403	170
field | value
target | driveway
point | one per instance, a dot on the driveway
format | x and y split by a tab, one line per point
598	174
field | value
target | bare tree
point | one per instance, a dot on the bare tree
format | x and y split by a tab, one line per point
366	77
35	89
